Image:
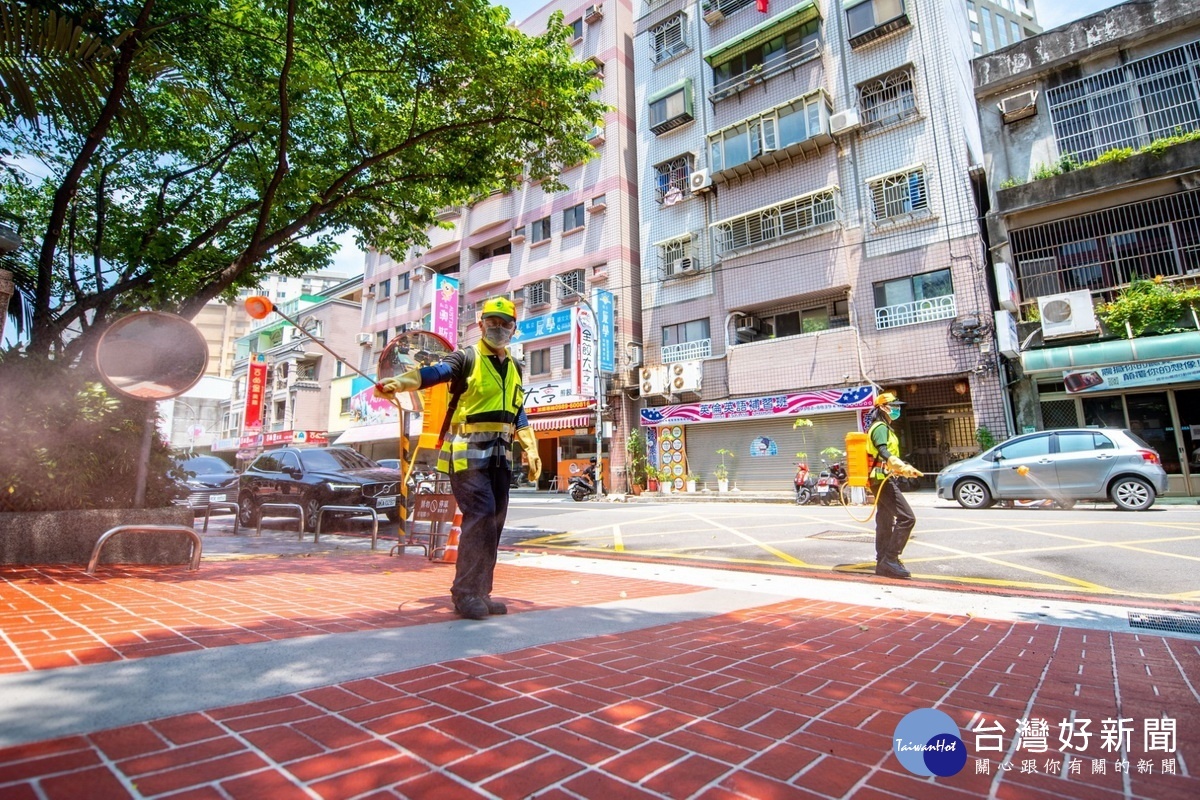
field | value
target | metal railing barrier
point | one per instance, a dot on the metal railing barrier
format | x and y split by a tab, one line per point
289	507
357	511
197	547
233	507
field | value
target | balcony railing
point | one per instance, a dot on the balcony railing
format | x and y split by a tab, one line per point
750	77
687	351
918	311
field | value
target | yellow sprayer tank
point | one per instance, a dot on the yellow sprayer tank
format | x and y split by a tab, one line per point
858	462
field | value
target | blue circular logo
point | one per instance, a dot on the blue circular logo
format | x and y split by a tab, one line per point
927	743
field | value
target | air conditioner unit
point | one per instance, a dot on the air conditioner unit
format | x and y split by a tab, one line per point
683	266
686	376
652	380
1067	314
364	338
593	14
700	181
1019	106
844	121
747	329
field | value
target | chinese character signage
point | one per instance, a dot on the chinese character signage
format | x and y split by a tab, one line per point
583	353
256	387
445	308
545	325
1140	373
602	302
782	405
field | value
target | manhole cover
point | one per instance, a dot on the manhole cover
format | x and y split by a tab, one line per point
1165	621
845	536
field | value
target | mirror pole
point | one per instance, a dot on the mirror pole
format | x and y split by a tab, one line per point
143	466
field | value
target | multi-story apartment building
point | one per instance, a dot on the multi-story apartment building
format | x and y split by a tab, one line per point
1078	214
999	23
283	384
808	181
551	252
194	421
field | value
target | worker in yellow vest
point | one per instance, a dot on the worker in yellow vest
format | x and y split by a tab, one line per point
894	518
484	416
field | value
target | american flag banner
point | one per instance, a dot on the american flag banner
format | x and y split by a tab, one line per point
821	401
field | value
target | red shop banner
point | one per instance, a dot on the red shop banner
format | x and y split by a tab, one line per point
256	387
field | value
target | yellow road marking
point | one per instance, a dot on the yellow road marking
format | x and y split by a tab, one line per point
775	551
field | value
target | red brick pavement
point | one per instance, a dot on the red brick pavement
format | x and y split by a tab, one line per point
796	699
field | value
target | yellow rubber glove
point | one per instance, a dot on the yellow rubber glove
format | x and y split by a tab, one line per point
408	382
903	469
529	443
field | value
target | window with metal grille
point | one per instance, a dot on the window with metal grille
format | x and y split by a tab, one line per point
1058	414
911	300
668	38
887	100
694	331
796	216
572	283
537	293
672	174
1108	249
896	195
1128	106
675	257
785	125
787	49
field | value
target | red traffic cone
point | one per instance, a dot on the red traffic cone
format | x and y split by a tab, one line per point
450	555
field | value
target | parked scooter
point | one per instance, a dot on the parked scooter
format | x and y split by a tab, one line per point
805	483
581	487
829	483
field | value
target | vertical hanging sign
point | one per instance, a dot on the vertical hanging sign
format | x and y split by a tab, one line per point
602	301
256	386
445	308
584	351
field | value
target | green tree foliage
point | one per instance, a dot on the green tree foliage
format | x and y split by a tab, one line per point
228	139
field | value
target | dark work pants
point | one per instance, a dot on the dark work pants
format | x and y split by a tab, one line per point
894	520
482	497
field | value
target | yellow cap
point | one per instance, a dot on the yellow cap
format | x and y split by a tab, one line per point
499	307
886	399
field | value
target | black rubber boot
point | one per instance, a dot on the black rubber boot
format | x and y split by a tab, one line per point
471	607
495	607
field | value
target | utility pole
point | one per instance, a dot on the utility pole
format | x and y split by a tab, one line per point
597	387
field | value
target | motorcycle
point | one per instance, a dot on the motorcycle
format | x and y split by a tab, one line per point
422	482
805	483
829	483
581	488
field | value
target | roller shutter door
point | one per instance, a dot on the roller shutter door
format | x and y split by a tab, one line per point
763	473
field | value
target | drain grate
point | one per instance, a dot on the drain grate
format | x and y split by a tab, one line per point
1165	621
845	536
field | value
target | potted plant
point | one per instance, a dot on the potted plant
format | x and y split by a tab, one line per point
801	425
1152	306
666	479
722	472
691	481
635	464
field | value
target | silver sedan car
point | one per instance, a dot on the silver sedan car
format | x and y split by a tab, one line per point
1063	465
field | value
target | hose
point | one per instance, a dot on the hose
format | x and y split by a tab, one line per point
871	513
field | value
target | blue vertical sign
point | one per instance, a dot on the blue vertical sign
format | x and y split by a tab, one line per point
602	301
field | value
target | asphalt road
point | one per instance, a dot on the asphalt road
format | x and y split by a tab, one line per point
1091	550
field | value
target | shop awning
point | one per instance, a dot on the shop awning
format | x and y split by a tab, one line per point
559	422
764	31
1102	354
382	432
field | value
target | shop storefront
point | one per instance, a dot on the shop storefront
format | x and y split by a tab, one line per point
1157	400
758	434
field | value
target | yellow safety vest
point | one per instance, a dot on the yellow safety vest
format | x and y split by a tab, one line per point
878	473
482	428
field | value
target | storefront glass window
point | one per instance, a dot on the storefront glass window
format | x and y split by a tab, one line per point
1150	418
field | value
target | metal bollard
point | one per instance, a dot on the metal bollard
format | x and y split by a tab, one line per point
281	507
226	506
198	545
358	511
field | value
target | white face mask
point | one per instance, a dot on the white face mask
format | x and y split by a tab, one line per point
497	337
